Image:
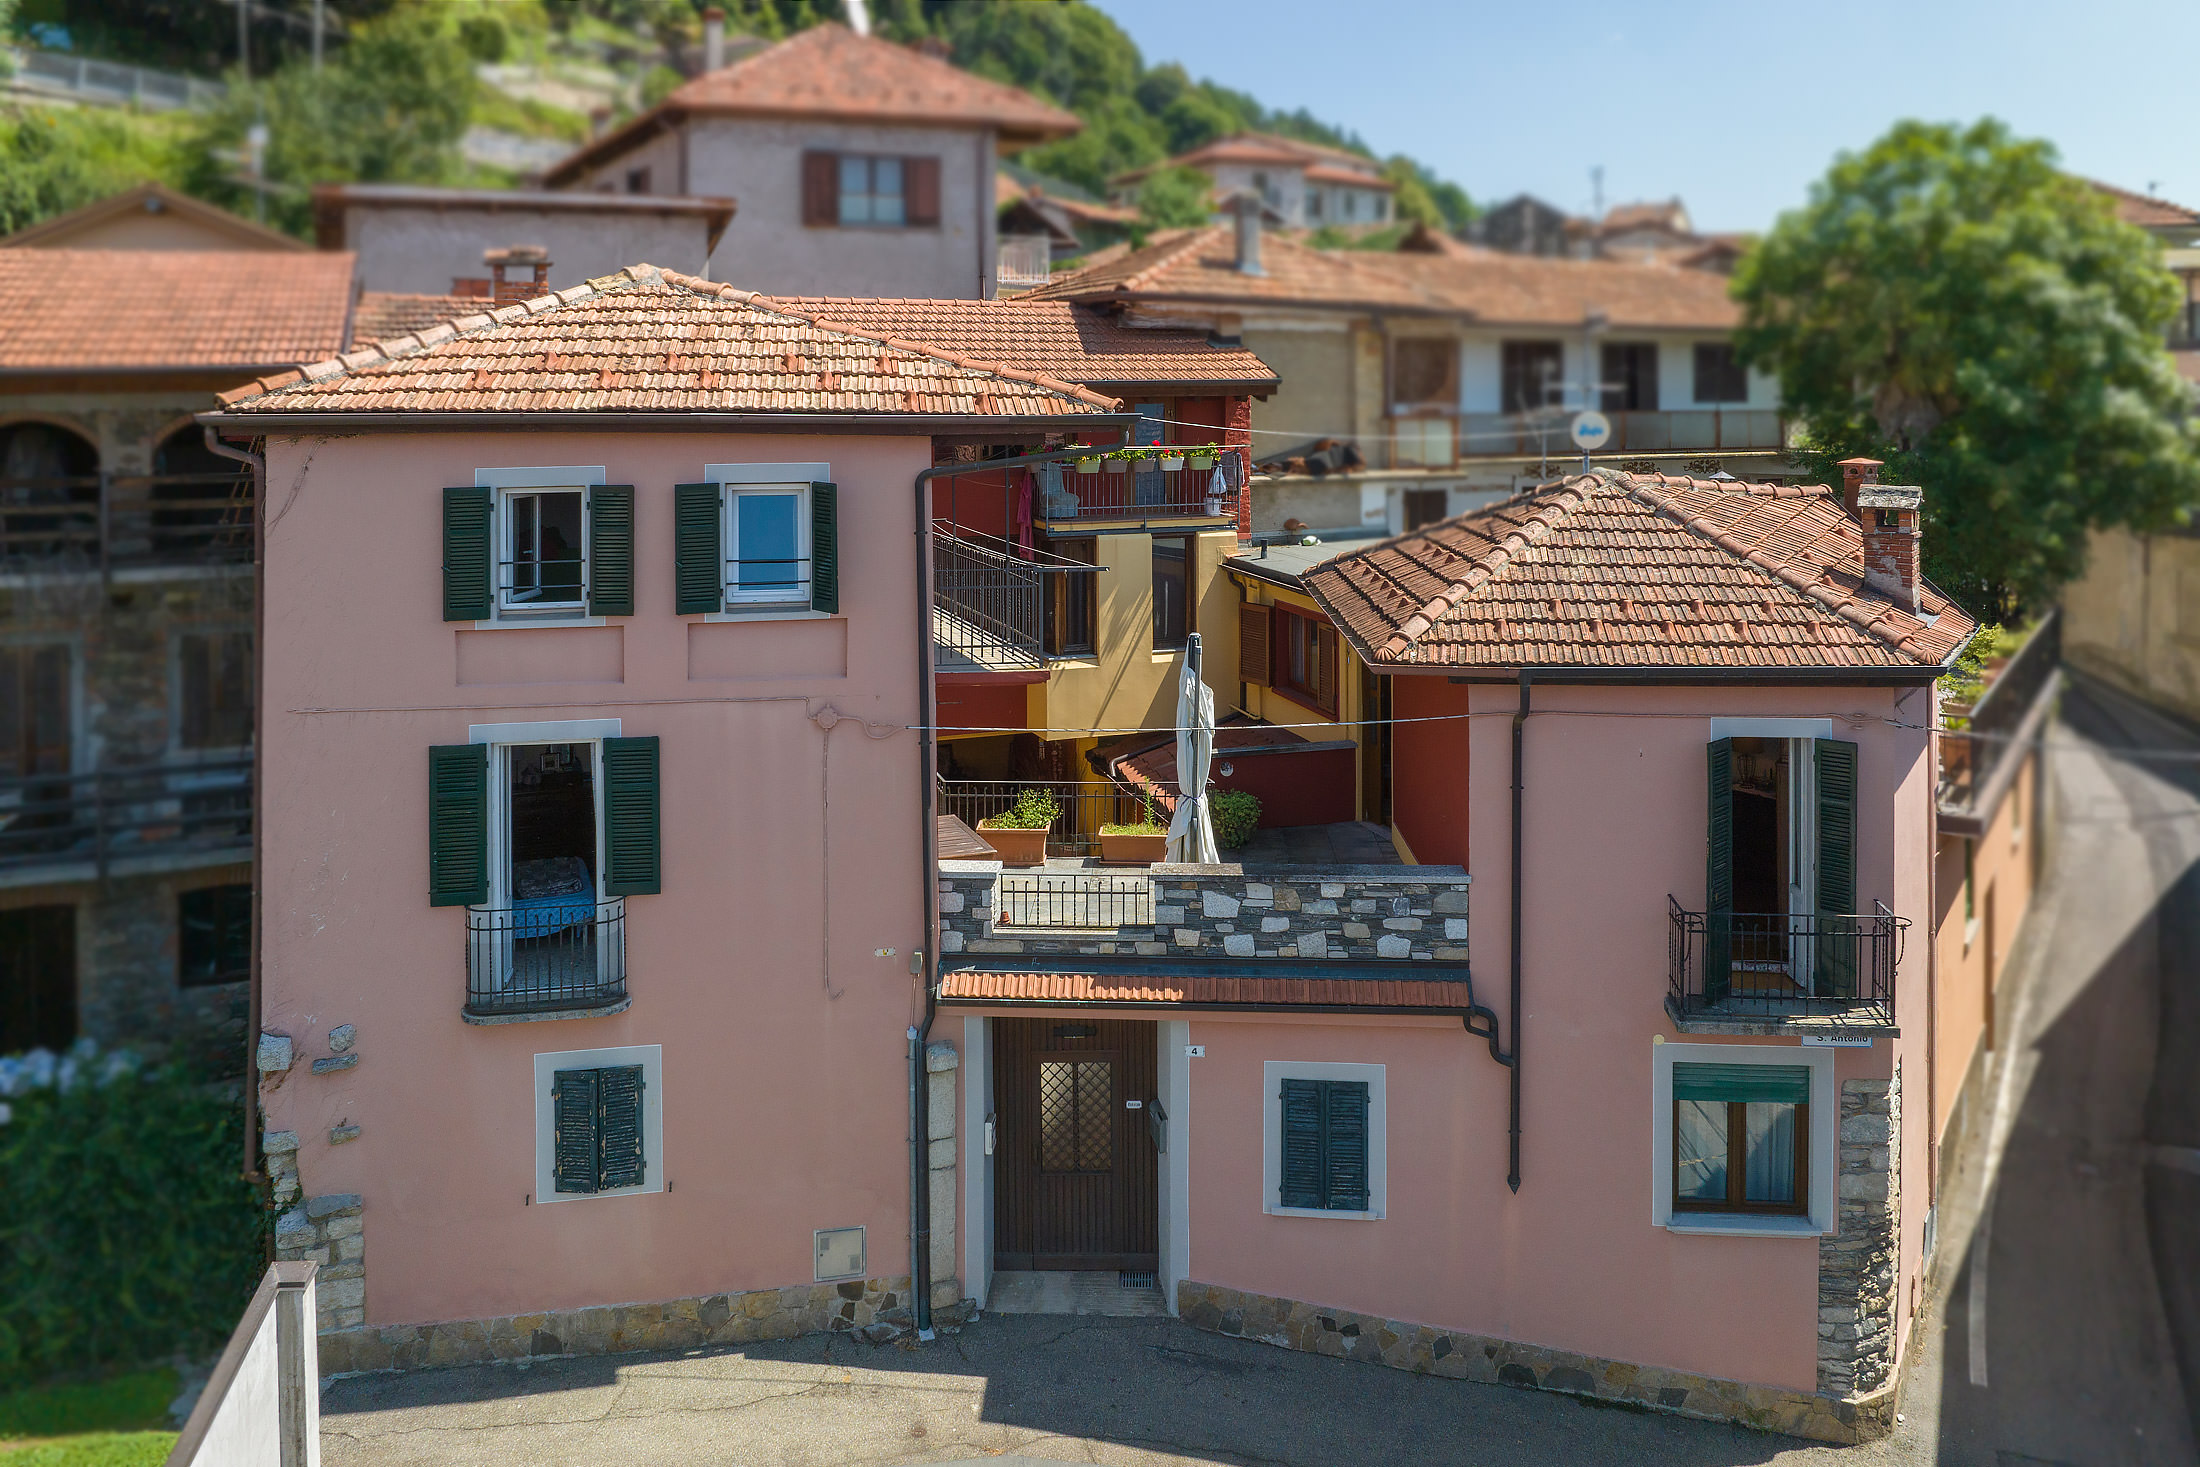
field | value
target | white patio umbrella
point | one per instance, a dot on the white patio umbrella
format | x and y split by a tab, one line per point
1192	827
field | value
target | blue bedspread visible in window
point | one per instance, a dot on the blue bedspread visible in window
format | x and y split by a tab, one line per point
551	895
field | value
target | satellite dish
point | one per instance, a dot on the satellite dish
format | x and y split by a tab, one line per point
1590	431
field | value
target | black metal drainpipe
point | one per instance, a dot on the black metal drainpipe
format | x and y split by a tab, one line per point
257	463
1520	737
925	961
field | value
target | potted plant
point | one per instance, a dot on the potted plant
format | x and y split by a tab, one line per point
1237	816
1118	462
1089	464
1142	842
1201	459
1019	833
1172	461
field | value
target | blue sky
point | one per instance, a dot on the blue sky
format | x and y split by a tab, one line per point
1734	107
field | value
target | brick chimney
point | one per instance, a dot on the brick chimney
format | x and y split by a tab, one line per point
1855	474
510	292
1247	207
1889	512
714	39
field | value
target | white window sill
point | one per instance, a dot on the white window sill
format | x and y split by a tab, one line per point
510	623
1742	1225
772	613
1323	1212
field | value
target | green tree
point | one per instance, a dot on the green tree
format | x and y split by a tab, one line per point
1173	198
390	107
1951	302
56	159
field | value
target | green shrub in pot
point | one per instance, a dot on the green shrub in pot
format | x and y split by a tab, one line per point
1237	816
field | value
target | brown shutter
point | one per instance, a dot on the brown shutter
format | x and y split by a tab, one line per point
1253	655
920	181
1325	641
820	190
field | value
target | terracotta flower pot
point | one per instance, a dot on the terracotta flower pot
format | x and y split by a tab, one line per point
1018	847
1142	848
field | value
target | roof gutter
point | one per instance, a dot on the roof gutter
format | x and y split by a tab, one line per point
1852	677
837	425
926	958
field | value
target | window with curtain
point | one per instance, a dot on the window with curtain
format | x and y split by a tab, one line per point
1306	660
1741	1138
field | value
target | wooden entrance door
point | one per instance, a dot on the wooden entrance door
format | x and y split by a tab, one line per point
1074	1175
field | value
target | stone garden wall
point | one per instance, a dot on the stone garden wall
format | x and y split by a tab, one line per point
1396	913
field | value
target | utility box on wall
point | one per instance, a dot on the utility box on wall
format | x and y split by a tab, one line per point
840	1254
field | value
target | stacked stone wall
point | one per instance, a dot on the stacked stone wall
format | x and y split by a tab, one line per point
1859	1266
1398	913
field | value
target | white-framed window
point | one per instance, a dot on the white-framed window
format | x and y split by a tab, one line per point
1324	1140
542	550
872	190
1744	1139
599	1123
767	539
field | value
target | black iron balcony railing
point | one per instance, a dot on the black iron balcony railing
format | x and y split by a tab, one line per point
125	817
2000	725
1086	805
1085	900
557	953
1774	966
110	522
995	611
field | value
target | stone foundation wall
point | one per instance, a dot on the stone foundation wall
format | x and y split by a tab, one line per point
680	1324
1426	1350
1402	913
1858	1266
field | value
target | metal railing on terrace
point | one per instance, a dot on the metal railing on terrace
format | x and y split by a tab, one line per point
1077	900
1123	489
1773	966
1086	806
994	610
552	954
1514	435
82	79
1025	261
109	522
2000	726
96	821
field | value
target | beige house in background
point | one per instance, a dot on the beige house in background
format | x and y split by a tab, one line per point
2134	619
151	216
864	168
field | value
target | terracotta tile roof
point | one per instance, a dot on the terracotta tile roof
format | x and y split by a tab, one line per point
151	198
383	314
1525	290
1257	147
156	310
650	340
1327	173
1075	343
974	985
830	71
1201	264
2145	210
1621	570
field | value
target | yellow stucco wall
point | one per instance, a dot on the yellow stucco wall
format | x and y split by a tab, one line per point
2134	619
1315	399
1277	707
1127	684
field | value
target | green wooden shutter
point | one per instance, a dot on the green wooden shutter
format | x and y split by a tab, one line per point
1302	1144
1778	1084
1718	899
1838	959
467	555
698	548
611	550
573	1127
458	825
631	864
619	1127
824	547
1344	1137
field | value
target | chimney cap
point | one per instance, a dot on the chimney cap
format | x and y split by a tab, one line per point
1890	496
1862	463
517	255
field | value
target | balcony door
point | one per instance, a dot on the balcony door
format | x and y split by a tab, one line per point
1076	1180
546	872
1781	879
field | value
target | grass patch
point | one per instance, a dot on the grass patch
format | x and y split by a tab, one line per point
129	1402
100	1449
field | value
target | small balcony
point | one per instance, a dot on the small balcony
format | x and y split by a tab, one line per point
106	523
1755	973
1538	434
108	822
994	611
1124	489
553	957
1025	261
